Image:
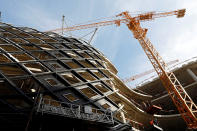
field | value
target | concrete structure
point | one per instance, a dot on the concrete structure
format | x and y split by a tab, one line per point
36	65
169	118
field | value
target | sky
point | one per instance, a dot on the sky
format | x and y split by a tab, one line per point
173	38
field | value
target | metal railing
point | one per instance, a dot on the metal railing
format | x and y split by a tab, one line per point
64	109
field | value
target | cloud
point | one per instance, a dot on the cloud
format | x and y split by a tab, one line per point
35	16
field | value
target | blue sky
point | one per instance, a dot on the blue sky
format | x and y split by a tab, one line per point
174	38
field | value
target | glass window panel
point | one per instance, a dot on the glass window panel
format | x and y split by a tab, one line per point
97	73
58	54
72	46
95	56
106	72
115	98
71	78
42	55
95	50
46	47
106	106
22	34
70	97
6	34
18	40
22	57
9	48
88	92
12	70
49	40
2	41
26	29
60	46
35	67
72	64
5	89
95	63
11	29
3	58
30	47
35	40
86	75
85	63
101	88
71	54
109	83
84	55
28	85
39	35
56	66
83	47
51	81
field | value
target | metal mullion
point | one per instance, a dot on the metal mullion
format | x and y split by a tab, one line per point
9	105
105	96
53	45
17	63
63	64
18	28
76	85
57	59
40	74
71	50
89	70
16	88
36	31
13	33
45	35
28	37
73	88
23	76
102	81
31	73
103	73
28	52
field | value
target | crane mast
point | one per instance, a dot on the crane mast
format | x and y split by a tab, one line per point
181	99
179	96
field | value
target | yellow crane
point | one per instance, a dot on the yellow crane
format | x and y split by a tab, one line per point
179	96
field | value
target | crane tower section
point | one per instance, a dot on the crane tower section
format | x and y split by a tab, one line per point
181	99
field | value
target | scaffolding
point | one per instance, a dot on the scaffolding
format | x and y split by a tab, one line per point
74	111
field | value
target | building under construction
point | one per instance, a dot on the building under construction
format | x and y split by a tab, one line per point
50	82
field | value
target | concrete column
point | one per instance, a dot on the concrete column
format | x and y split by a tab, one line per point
123	117
122	114
113	86
191	73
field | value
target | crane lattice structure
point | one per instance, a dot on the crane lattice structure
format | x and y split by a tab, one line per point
132	78
179	96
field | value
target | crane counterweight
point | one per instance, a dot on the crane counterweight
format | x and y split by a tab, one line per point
181	13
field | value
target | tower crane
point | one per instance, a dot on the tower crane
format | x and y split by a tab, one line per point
179	96
132	78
